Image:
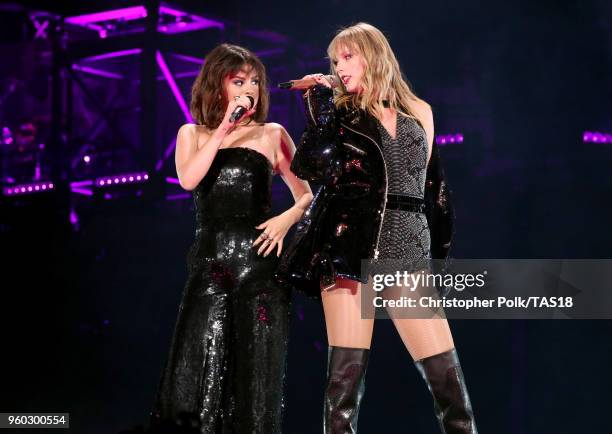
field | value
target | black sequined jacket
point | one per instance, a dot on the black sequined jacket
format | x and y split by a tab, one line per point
341	150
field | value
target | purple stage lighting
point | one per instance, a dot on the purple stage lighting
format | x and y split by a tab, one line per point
178	96
113	54
82	191
113	22
128	178
98	72
124	14
78	187
180	196
74	218
190	59
28	188
79	184
446	139
166	155
7	136
595	137
183	21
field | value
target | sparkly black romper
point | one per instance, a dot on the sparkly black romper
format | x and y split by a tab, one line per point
225	370
405	234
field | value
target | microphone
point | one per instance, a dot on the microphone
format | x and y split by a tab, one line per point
240	110
306	83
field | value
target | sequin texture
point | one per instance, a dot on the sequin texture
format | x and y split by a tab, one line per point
342	226
226	365
405	234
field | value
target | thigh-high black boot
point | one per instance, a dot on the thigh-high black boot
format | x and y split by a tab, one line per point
444	377
346	368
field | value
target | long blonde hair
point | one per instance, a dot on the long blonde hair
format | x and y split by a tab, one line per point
382	78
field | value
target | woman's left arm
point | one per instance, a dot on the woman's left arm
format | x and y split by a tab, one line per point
277	227
438	207
425	115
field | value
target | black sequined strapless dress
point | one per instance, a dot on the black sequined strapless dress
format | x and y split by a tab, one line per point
405	234
226	366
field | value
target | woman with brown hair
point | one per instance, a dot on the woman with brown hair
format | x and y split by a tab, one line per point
370	144
225	370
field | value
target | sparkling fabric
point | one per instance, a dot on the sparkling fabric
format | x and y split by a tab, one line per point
405	234
226	365
341	227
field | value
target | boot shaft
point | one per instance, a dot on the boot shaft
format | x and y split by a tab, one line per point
346	368
444	377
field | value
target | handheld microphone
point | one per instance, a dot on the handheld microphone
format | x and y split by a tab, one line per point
306	83
240	110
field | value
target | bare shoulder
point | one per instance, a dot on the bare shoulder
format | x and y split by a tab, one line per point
273	128
187	134
276	133
188	129
422	110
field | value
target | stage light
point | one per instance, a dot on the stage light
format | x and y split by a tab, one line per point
127	178
446	139
596	137
7	136
28	188
178	96
114	54
129	20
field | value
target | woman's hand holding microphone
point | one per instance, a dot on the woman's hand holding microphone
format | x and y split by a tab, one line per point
230	122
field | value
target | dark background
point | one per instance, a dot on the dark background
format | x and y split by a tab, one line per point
89	306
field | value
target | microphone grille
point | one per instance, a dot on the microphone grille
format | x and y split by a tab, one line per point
332	80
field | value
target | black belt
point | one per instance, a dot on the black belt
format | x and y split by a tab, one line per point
405	203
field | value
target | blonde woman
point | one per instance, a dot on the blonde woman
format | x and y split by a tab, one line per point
383	197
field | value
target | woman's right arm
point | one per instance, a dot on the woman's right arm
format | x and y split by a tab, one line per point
321	108
192	163
318	157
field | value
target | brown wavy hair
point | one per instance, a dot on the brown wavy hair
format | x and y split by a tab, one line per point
208	98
